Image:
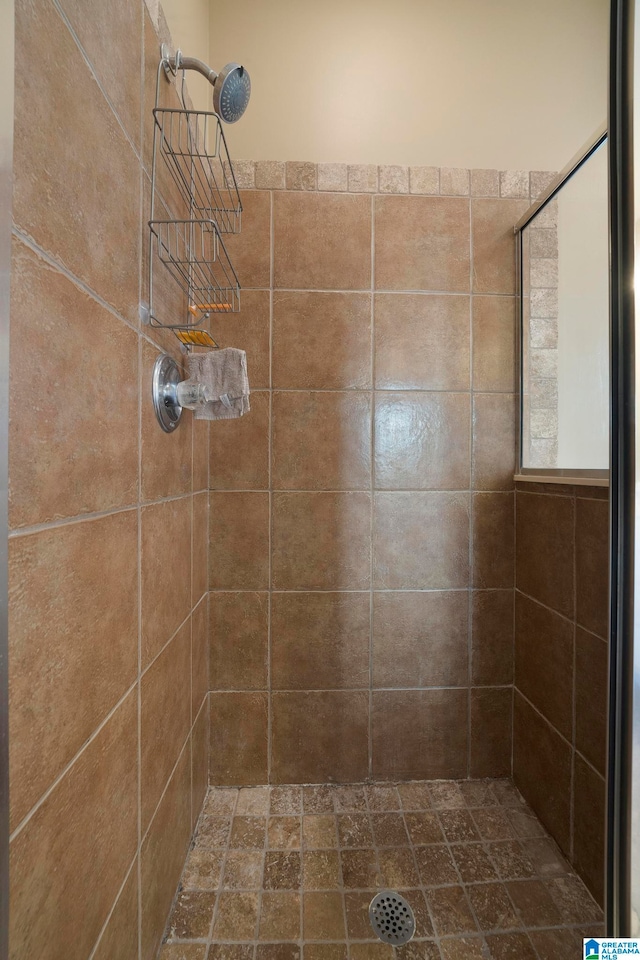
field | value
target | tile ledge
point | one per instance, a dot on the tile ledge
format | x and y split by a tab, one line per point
568	481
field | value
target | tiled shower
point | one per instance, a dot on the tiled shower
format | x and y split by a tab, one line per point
342	589
387	414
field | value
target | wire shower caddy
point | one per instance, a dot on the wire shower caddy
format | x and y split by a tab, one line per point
190	146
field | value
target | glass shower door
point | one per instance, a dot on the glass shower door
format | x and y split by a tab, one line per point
623	809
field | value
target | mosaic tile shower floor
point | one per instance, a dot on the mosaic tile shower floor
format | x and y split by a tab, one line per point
287	873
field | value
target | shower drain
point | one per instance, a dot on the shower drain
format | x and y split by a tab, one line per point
391	917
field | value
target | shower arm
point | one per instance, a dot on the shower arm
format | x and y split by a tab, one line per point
178	62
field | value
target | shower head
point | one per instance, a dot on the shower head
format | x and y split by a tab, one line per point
231	87
231	92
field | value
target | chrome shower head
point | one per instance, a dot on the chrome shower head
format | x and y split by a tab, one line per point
231	87
231	92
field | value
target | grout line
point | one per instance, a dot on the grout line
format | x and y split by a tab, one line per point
562	616
139	684
522	486
92	737
132	865
307	690
380	291
203	598
201	709
516	454
513	630
61	268
372	480
590	633
342	590
412	849
379	877
513	688
378	491
471	511
143	330
270	467
164	647
461	884
384	391
95	76
271	242
572	781
52	786
223	867
186	743
139	378
577	752
303	851
191	604
203	704
98	515
68	521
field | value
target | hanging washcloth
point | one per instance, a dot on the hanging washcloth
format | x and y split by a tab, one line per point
224	376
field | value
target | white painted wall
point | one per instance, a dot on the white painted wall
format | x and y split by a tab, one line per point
583	318
499	83
189	23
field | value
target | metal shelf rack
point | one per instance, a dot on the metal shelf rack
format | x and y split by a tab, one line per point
190	146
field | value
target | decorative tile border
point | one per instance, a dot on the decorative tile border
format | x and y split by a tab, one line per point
540	281
390	179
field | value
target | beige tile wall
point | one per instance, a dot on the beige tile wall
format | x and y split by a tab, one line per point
109	516
361	517
561	629
540	336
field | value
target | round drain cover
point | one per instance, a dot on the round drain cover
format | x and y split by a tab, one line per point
391	917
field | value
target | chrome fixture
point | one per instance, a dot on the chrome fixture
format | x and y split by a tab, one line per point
171	395
392	918
231	87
